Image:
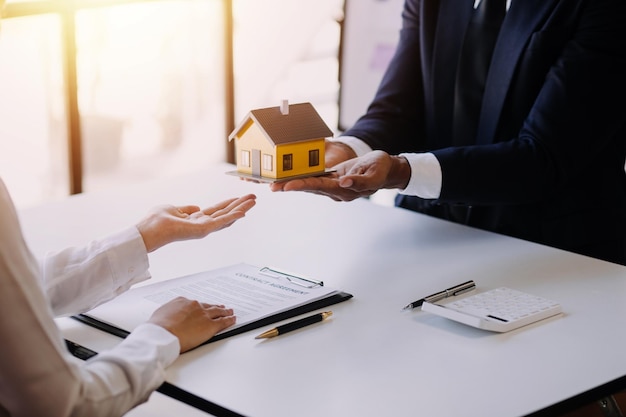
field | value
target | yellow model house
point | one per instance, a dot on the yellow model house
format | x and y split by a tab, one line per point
281	142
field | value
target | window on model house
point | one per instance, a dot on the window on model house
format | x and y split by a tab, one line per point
314	157
268	162
245	158
287	162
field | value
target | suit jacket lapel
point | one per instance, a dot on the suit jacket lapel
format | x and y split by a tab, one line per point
453	18
521	21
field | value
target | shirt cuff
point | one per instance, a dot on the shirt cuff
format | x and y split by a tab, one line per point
136	366
167	345
425	179
129	258
357	145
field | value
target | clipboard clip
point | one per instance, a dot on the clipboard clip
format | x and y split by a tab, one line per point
301	281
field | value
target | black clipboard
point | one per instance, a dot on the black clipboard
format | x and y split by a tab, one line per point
324	302
334	298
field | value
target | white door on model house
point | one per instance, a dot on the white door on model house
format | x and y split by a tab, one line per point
256	162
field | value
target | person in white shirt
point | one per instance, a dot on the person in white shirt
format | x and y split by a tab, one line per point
38	376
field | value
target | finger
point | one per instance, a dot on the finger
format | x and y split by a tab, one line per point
234	211
217	312
219	206
222	219
189	209
357	182
223	322
228	205
244	207
327	187
277	186
309	184
207	306
219	222
346	182
244	203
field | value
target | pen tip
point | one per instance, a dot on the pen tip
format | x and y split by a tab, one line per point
268	334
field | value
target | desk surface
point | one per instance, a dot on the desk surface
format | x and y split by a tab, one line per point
371	358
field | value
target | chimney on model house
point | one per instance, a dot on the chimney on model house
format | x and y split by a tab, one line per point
284	107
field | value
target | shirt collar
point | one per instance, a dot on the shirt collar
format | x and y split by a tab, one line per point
508	4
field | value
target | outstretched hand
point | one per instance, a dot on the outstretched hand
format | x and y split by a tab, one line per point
166	224
354	178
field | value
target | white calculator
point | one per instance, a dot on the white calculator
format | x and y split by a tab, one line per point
498	310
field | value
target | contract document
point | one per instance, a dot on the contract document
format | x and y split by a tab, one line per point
258	296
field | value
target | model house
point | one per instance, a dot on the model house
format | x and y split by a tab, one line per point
281	142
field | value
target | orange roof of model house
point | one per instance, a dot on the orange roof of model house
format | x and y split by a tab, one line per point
299	122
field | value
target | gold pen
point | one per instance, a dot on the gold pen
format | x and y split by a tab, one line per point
298	324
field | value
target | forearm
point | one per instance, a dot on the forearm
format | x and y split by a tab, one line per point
78	279
109	384
115	381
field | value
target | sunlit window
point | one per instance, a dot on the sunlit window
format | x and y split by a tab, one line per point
150	84
150	89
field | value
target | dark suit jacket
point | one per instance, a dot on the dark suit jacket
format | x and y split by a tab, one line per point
548	160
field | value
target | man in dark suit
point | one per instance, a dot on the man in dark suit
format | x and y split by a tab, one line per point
544	157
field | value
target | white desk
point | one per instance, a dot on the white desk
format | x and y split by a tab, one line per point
371	358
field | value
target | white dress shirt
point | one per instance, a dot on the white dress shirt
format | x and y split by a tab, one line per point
38	377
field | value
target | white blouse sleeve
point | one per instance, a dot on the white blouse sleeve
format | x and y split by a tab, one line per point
80	278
